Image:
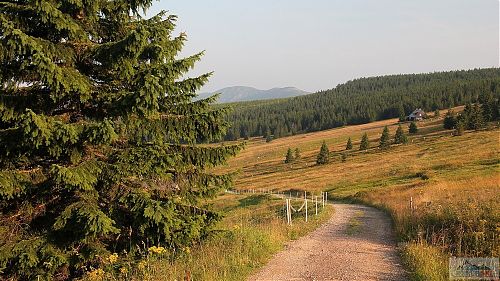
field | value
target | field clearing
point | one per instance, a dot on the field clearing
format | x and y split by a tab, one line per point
453	181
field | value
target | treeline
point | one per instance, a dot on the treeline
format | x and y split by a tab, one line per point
362	101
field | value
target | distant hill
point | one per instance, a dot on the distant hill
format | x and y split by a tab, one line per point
362	101
239	93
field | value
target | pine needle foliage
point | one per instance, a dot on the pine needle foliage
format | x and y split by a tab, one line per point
365	143
324	155
413	128
400	136
349	144
385	138
289	156
101	145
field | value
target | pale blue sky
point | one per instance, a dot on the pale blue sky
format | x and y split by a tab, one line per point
318	44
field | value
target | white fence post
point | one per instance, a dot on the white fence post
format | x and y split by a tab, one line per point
306	208
316	205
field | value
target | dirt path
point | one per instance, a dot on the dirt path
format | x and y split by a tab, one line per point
355	244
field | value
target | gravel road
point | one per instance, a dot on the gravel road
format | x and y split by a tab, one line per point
357	243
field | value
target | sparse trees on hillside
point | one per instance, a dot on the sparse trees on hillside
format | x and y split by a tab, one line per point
366	100
385	139
349	144
437	114
413	129
324	155
400	137
365	143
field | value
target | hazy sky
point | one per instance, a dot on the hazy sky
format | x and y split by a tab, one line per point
318	44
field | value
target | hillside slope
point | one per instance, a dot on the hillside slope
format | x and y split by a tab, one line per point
364	100
452	182
239	94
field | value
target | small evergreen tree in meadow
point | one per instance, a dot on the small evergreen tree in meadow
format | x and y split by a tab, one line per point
297	154
472	117
100	137
459	128
289	156
365	143
324	155
349	144
437	114
450	120
385	139
269	138
413	129
400	137
343	157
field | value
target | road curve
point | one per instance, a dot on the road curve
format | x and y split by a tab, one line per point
357	243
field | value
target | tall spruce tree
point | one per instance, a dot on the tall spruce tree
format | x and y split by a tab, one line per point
413	129
349	144
99	137
385	138
365	143
400	137
450	120
289	156
324	155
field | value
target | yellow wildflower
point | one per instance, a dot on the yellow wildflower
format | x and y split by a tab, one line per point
123	270
113	258
96	274
157	250
141	265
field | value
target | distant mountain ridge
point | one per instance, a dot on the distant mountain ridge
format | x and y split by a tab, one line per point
241	93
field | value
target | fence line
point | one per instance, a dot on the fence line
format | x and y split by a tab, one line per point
287	196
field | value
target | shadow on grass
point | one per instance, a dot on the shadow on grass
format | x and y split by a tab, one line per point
252	200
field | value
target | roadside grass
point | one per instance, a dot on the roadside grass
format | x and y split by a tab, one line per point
425	262
252	231
454	182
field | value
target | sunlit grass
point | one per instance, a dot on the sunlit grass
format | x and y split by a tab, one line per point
253	229
454	183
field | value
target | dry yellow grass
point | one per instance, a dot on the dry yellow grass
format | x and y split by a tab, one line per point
454	183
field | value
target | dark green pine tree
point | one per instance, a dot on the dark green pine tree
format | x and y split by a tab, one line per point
400	137
269	138
297	154
99	137
437	114
401	112
413	129
365	143
289	156
324	155
385	139
349	144
450	120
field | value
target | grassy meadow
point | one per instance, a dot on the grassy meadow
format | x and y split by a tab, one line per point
453	181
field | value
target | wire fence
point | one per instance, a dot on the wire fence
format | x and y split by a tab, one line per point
297	204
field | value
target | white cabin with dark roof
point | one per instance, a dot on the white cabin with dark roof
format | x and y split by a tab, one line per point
417	115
